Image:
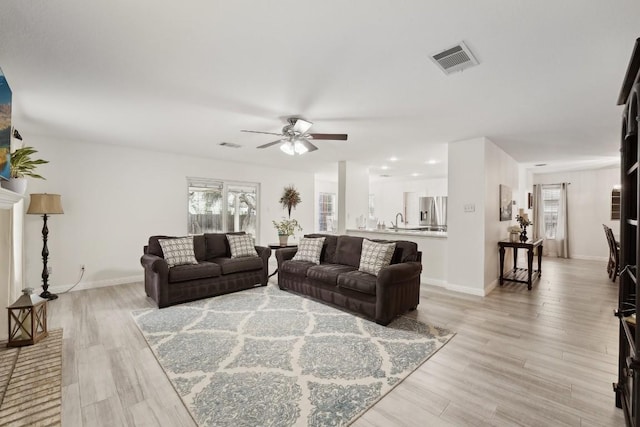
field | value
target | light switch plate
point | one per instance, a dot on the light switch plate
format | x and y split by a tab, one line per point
469	207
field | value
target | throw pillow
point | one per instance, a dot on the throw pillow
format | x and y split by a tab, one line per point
241	245
375	256
309	249
178	251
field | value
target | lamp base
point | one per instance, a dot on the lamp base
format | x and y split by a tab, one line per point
48	295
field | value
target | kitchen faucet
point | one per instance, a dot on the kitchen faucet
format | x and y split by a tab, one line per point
401	219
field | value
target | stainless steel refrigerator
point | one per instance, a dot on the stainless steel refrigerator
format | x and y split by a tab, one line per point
433	212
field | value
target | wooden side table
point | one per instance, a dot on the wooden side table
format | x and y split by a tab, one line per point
519	274
275	247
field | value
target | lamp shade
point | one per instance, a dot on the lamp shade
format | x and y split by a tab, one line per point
45	204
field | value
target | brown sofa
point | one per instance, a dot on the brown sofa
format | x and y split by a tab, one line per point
215	274
337	281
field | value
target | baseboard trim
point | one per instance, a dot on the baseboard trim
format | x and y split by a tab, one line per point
96	284
589	258
434	282
490	287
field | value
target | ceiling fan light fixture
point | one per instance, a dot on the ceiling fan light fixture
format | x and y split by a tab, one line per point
299	148
288	148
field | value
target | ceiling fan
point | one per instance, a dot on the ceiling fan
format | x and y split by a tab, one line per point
295	139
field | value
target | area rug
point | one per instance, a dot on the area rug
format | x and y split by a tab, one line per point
30	383
266	357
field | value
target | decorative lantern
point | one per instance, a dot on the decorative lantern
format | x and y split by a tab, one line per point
27	319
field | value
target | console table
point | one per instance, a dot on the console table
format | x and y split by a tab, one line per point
521	275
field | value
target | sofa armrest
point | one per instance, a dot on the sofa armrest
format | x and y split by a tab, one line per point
156	278
285	254
264	253
400	272
397	290
154	263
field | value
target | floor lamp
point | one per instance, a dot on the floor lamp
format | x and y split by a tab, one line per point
45	204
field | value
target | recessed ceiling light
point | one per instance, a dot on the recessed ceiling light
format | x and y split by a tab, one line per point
393	159
384	167
431	161
415	174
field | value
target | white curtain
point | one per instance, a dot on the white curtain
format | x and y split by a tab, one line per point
538	213
562	232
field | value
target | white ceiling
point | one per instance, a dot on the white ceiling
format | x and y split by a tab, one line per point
185	76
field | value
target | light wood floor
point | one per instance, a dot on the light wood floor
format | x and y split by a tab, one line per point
545	357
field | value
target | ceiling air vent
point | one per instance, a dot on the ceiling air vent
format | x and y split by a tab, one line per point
230	145
456	58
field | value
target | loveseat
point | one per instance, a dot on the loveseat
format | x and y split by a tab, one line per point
338	281
214	271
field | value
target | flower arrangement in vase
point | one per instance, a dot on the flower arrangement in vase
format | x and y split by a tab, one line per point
286	228
514	233
523	220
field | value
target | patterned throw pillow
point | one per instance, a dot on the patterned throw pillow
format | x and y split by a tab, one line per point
241	245
178	251
309	249
375	256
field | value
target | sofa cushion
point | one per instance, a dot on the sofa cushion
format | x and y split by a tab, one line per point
348	250
217	244
309	249
154	247
358	281
375	256
298	268
235	265
328	273
328	249
202	270
199	248
178	251
241	246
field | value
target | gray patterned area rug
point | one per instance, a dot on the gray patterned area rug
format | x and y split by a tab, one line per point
265	357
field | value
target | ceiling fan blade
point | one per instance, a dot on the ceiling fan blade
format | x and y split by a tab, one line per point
270	144
266	133
308	145
333	136
301	126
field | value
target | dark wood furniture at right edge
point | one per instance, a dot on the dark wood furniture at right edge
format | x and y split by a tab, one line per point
521	275
628	363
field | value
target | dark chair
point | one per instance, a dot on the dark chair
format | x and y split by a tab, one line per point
613	266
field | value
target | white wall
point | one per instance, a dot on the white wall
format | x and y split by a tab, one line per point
477	167
353	194
389	200
589	206
465	230
115	197
500	168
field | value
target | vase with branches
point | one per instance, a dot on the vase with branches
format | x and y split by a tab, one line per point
290	198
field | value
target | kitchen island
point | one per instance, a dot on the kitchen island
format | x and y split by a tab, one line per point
432	244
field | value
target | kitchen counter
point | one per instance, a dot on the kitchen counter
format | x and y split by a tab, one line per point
433	245
400	232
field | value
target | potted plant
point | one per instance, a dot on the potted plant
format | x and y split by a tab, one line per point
22	166
286	228
290	198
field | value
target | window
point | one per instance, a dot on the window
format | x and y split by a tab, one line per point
217	206
550	203
326	217
372	206
615	203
